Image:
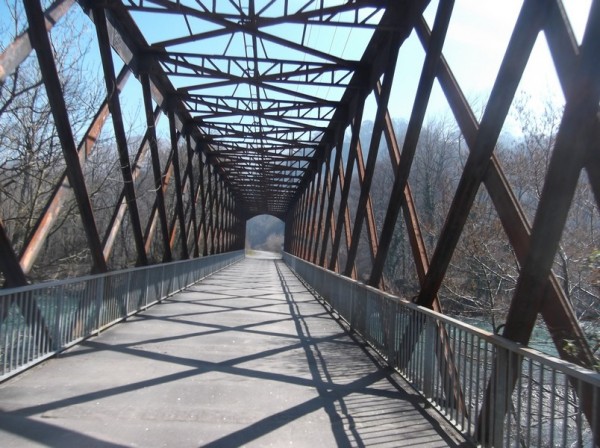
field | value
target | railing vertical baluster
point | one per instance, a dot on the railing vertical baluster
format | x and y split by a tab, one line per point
540	409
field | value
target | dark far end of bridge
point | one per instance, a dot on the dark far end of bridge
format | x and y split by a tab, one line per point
261	121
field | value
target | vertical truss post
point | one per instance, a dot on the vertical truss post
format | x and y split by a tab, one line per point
217	212
233	224
227	226
315	216
114	105
304	228
203	224
308	222
332	191
298	227
324	188
388	79
220	209
347	178
193	199
158	179
40	42
241	228
290	229
225	217
211	199
178	184
299	233
368	210
151	226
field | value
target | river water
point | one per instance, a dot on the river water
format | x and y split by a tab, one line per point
540	338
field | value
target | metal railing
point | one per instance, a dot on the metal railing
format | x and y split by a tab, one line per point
40	320
497	393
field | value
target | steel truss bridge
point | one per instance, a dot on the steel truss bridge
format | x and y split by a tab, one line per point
267	123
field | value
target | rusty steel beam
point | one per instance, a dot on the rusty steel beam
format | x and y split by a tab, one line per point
529	23
118	215
216	209
218	214
296	223
296	226
308	227
565	54
211	229
391	52
324	189
41	43
35	240
447	364
574	141
152	220
368	209
178	185
221	214
226	221
402	170
300	225
21	47
158	179
556	309
190	175
129	43
313	203
332	192
347	178
175	221
114	105
203	202
346	225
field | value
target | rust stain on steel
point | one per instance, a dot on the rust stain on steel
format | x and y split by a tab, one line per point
34	243
20	48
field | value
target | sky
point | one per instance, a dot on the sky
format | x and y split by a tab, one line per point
477	38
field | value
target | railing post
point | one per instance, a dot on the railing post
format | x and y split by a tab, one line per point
99	301
129	274
146	287
162	283
490	431
429	357
56	339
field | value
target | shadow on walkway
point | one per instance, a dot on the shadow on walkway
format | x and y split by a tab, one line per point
246	357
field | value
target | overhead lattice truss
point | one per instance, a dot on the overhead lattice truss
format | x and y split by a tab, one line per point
264	118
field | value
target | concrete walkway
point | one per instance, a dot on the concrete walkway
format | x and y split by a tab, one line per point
248	357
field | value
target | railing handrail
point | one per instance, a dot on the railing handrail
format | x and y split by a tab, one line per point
495	339
43	319
88	277
496	392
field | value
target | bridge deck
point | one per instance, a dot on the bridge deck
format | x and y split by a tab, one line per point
246	357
